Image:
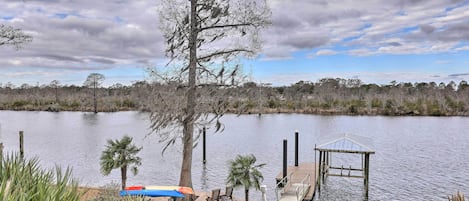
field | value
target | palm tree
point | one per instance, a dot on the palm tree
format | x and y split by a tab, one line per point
120	154
245	173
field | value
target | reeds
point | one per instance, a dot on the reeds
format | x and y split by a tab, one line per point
456	197
25	180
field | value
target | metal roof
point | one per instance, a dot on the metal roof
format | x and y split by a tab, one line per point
348	144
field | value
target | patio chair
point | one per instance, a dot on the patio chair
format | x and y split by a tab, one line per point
215	195
228	193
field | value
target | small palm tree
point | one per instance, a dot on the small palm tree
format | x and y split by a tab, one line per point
245	173
120	154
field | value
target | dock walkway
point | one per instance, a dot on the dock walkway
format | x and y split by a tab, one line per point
296	176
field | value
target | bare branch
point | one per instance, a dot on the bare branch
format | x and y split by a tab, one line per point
223	52
227	26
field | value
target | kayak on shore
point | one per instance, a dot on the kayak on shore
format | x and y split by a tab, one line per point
157	191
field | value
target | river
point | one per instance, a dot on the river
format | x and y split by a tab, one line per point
417	158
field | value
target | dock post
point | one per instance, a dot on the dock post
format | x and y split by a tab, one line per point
21	145
367	171
284	172
1	151
296	148
325	168
320	172
204	146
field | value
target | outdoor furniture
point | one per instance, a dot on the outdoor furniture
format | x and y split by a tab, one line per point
215	195
228	193
194	197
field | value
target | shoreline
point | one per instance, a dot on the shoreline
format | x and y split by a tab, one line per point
308	111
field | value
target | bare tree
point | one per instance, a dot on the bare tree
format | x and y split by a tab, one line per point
13	37
94	80
204	38
55	84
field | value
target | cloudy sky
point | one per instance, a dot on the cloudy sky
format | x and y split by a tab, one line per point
377	41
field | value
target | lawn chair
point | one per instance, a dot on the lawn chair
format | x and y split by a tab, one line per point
194	197
228	194
215	195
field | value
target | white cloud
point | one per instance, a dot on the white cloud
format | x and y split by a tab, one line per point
360	52
324	52
15	62
462	48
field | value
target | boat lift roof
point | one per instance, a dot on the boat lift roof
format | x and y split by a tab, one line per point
347	143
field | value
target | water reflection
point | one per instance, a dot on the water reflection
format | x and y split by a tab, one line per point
204	179
90	119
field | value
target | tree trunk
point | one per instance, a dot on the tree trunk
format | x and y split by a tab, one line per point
124	176
95	101
186	169
56	95
246	194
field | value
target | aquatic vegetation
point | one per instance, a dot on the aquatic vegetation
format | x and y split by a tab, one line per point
456	197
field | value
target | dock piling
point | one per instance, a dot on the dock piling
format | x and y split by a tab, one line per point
1	151
296	148
21	145
204	146
284	172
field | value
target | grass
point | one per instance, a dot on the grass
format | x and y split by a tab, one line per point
456	197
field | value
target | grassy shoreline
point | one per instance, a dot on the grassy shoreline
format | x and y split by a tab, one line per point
312	111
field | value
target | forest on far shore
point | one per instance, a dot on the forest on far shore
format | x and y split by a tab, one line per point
326	96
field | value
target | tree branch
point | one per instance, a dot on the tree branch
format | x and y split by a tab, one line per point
226	26
224	52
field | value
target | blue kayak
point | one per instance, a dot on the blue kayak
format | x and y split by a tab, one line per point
152	193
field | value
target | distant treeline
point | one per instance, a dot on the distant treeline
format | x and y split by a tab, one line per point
327	96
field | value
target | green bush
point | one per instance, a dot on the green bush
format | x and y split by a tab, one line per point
376	103
25	180
20	103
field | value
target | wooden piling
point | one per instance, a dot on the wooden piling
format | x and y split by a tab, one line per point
21	145
204	146
367	170
320	173
1	151
284	172
296	148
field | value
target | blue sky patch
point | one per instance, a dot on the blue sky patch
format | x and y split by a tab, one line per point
7	17
61	15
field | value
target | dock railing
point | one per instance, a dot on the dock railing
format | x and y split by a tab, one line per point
302	189
283	185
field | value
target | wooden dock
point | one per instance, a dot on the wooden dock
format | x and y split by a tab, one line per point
296	175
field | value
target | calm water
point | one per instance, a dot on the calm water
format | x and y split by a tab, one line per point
417	158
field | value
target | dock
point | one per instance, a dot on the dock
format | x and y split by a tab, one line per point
300	183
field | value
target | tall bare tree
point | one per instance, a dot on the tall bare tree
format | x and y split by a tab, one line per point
55	84
94	80
204	38
13	37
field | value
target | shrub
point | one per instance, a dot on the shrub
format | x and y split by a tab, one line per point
25	180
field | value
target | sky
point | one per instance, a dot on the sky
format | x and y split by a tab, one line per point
377	41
